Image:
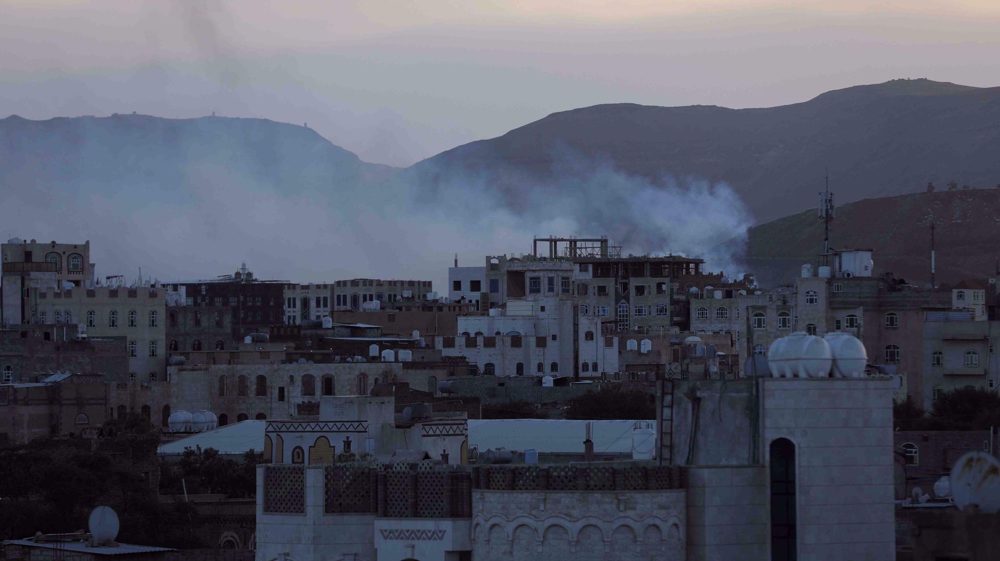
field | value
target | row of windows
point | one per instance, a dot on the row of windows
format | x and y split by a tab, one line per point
308	385
489	368
74	262
59	316
969	360
535	285
133	348
196	345
851	321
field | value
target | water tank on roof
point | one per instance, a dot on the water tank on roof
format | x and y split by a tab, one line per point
717	294
179	421
415	334
643	442
800	355
849	355
693	291
248	340
405	355
547	381
327	322
371	306
202	421
825	272
373	350
631	345
975	482
15	240
388	355
645	346
807	270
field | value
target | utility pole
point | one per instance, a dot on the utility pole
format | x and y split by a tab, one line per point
933	256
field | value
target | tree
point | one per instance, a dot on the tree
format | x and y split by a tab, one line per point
612	403
966	409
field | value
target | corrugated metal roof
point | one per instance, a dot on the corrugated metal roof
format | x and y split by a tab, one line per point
235	439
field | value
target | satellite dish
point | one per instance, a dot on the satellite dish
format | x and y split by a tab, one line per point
103	525
975	481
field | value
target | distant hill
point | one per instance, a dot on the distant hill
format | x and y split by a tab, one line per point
967	227
875	140
156	159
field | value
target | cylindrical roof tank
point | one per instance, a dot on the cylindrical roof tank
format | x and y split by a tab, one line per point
200	421
807	270
179	421
849	355
825	272
801	355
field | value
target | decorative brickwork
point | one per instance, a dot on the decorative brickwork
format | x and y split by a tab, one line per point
350	489
284	489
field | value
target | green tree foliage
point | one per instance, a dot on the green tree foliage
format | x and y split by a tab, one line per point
205	471
612	403
513	410
960	409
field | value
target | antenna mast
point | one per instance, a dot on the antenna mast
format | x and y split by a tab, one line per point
826	214
933	256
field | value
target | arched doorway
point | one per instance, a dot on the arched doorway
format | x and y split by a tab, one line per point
783	508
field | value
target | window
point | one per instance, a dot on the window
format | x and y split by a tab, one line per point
260	387
584	309
57	315
241	386
641	311
937	358
585	367
971	359
153	348
298	456
639	290
722	313
564	285
132	349
153	319
554	367
68	316
911	453
520	369
891	320
550	284
475	286
540	368
662	310
91	318
812	297
602	311
489	369
759	350
588	336
784	320
535	285
837	287
132	315
41	317
593	366
308	384
75	263
456	286
152	376
81	419
494	286
960	295
222	386
8	374
701	313
55	259
892	354
328	385
758	320
196	345
173	346
851	321
131	378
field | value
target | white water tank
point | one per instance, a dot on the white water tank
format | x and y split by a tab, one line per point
179	421
717	294
202	421
388	355
825	272
849	355
631	345
373	350
327	322
800	355
547	381
645	346
371	306
975	482
643	442
807	270
405	355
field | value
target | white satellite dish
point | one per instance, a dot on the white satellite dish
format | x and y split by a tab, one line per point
103	525
975	481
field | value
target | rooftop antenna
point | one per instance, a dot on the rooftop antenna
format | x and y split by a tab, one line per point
456	260
933	256
826	214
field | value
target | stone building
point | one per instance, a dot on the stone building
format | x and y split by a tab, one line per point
31	352
29	267
924	457
58	405
957	352
355	294
199	328
307	302
135	313
253	304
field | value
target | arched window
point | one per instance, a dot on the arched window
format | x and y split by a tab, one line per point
91	318
971	358
585	367
57	316
519	369
489	369
328	387
132	349
784	320
196	345
554	367
937	358
759	350
173	346
540	368
68	315
222	386
891	319
75	263
722	313
82	419
8	374
54	259
145	412
812	297
892	354
153	348
220	345
241	417
223	420
701	313
588	336
298	455
260	388
593	367
165	416
154	319
811	328
851	321
132	317
113	318
260	417
758	320
363	384
241	386
308	384
911	453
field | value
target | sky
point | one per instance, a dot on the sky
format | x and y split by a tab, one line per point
398	81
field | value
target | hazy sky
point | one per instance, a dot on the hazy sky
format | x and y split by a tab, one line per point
397	81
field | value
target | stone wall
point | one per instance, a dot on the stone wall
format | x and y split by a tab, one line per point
727	513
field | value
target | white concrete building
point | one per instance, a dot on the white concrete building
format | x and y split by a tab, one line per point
307	302
467	283
30	267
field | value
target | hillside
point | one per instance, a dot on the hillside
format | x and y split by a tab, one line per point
875	140
967	225
163	160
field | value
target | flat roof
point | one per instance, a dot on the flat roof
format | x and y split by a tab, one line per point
234	439
552	435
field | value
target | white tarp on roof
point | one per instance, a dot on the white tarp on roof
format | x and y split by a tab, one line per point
235	439
552	435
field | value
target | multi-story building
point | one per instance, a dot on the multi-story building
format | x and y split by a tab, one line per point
467	284
254	305
199	328
29	353
57	405
972	296
135	313
307	302
354	294
29	267
957	353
